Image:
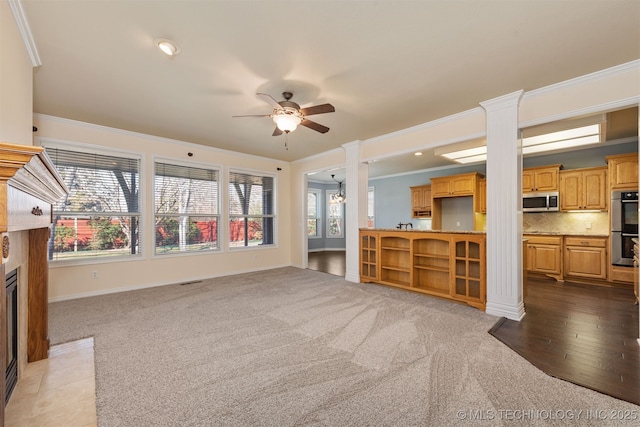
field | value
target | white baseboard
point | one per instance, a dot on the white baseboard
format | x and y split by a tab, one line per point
153	285
328	250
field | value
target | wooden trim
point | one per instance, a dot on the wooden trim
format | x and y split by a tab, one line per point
3	340
38	325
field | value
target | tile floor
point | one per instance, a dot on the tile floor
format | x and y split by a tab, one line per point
58	391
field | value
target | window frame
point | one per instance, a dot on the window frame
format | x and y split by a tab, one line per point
220	216
230	216
141	216
328	198
318	214
371	214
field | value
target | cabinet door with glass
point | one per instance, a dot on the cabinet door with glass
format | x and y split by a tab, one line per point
368	256
468	280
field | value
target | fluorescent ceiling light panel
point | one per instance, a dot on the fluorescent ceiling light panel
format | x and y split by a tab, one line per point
472	159
562	135
560	145
553	141
469	155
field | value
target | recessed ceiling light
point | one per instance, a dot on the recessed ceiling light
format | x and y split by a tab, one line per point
418	153
168	47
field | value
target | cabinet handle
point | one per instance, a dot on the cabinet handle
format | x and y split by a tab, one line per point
585	243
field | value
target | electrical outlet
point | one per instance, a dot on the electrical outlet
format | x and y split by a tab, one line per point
94	274
588	225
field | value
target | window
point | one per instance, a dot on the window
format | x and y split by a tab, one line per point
186	209
100	217
251	209
335	215
314	224
370	208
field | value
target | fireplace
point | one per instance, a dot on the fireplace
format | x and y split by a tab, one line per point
29	184
12	333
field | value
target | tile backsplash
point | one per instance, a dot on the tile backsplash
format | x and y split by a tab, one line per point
566	222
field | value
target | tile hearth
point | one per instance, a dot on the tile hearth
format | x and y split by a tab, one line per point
58	391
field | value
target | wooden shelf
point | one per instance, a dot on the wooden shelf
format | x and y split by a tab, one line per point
424	267
449	265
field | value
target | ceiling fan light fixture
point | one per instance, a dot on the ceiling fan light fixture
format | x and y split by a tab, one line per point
287	122
167	46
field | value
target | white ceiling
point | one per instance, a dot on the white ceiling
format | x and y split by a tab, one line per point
385	65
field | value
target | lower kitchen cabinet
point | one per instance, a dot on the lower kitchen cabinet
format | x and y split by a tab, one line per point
449	265
368	256
585	257
468	281
395	260
544	255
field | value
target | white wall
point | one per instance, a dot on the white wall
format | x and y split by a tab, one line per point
75	281
16	83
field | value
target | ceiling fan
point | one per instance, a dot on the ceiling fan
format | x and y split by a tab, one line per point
287	115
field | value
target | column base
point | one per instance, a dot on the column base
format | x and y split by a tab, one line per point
506	310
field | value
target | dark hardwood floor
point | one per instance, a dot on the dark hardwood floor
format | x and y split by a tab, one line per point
584	334
332	262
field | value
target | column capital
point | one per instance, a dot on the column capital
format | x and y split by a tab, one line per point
504	101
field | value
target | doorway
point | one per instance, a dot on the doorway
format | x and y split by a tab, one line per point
325	227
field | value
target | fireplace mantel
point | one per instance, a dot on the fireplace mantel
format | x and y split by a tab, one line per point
29	185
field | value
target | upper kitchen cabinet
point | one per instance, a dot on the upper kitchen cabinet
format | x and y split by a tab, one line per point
623	171
481	196
583	189
421	201
455	185
543	178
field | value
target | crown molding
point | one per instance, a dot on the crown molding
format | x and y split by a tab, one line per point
595	109
25	31
598	75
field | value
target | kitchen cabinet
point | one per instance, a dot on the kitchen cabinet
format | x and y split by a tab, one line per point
481	196
454	185
468	279
583	189
543	178
623	171
448	265
544	255
421	201
395	259
635	269
585	256
431	264
368	256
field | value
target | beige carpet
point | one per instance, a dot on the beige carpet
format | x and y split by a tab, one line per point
293	347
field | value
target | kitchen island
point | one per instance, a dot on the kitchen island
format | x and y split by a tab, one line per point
448	264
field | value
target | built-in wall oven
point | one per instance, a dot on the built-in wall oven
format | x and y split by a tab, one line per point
624	226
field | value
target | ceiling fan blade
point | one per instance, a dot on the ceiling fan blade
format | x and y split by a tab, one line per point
277	131
315	126
317	109
254	115
269	100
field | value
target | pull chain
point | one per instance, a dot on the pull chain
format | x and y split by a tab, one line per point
286	141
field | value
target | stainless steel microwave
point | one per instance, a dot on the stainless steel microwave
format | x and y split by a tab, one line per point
541	202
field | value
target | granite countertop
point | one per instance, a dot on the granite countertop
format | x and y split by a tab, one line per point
415	230
534	233
564	233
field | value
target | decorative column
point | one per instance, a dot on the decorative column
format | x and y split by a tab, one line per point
504	207
357	185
